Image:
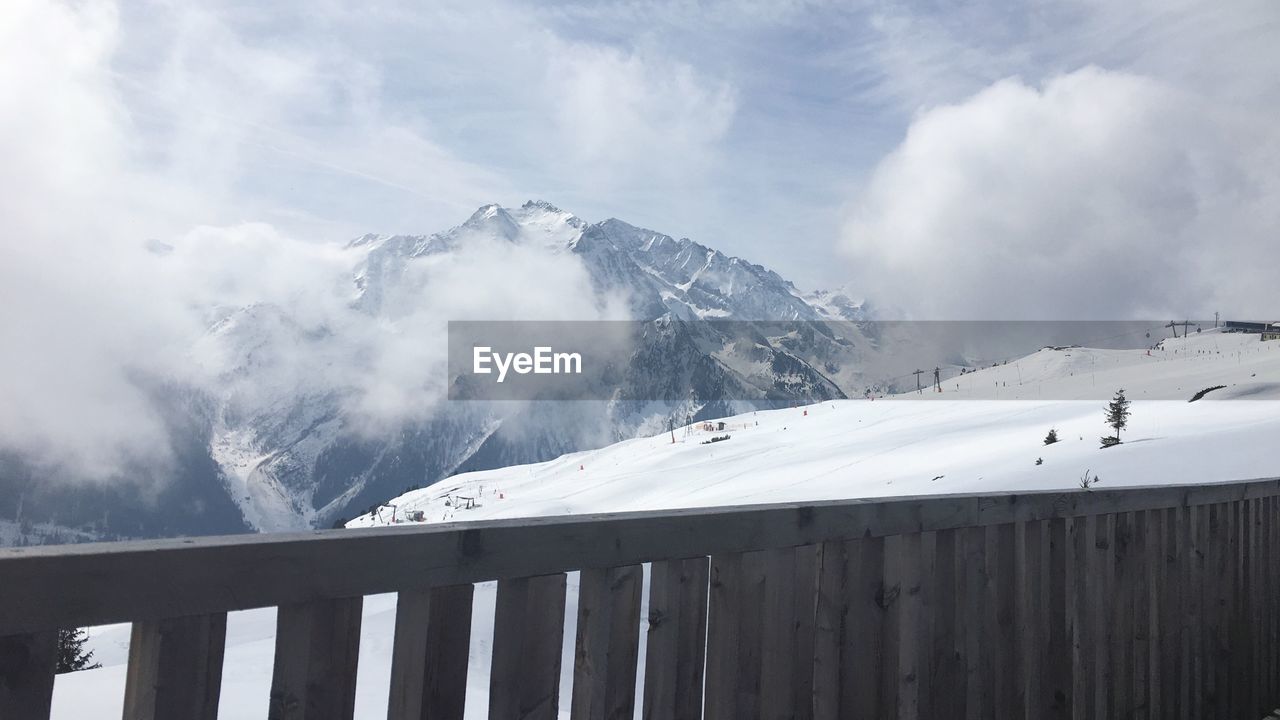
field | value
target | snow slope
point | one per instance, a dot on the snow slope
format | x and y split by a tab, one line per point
973	436
969	437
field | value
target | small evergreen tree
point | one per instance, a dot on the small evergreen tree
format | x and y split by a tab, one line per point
72	655
1052	437
1117	417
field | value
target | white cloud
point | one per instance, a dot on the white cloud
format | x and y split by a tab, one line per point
178	137
630	116
1099	195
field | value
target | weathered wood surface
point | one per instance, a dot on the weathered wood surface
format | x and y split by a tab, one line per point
430	654
1055	685
317	650
114	582
528	634
608	644
1132	609
27	664
676	650
946	639
1081	583
869	623
830	612
175	668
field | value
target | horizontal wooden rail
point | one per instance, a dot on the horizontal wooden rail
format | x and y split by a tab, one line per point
100	583
1136	602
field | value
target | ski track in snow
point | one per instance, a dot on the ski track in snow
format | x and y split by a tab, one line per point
984	432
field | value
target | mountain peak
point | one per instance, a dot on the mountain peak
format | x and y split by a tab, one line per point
541	204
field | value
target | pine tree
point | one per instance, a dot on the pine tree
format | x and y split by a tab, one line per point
1052	437
1117	417
72	655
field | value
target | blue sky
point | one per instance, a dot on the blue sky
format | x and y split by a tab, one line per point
761	128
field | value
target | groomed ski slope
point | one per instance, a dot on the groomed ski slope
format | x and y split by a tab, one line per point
963	439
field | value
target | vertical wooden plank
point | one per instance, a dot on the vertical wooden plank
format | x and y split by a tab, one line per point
1225	551
1182	595
27	664
1267	576
1056	686
829	619
608	643
1121	627
1273	594
1263	607
777	656
691	659
863	646
429	657
1260	597
448	652
891	602
1079	563
1143	617
728	605
317	648
1002	618
786	679
1168	654
528	634
946	661
175	668
676	651
1158	651
1202	603
804	632
1236	648
1101	586
1251	596
1029	667
1248	621
977	646
912	621
1217	582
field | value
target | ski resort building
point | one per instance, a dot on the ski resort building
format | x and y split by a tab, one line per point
1236	326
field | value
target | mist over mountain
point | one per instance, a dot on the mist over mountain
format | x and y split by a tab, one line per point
316	384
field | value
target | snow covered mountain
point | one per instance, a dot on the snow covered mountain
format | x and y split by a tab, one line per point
970	437
293	460
280	437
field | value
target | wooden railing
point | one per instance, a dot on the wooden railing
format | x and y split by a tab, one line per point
1156	602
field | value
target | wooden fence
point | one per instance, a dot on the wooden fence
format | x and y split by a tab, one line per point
1155	602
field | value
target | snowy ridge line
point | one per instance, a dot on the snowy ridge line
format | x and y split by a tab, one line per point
239	572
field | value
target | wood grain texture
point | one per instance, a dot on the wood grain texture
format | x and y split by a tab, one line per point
317	651
98	583
608	644
27	665
528	637
946	641
830	610
429	658
676	651
175	668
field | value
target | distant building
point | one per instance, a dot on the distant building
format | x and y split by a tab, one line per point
1247	327
1271	333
